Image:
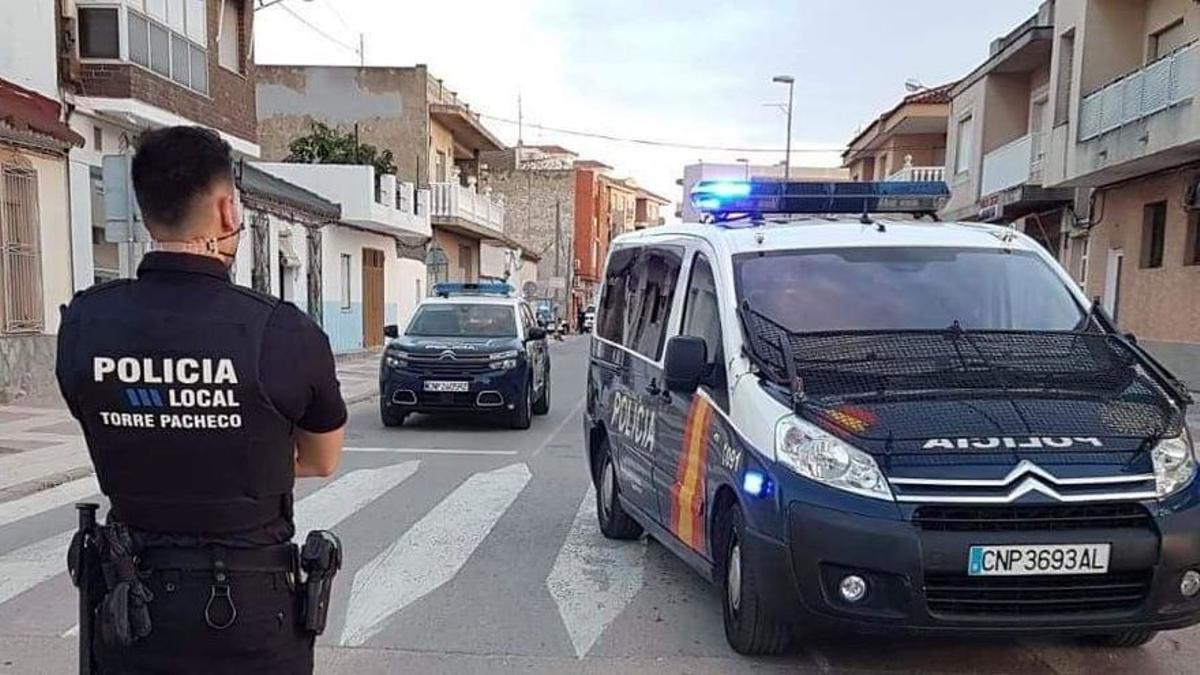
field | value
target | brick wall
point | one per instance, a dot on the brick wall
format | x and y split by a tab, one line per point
229	105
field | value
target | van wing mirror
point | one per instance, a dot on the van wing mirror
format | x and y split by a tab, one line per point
685	363
391	331
536	333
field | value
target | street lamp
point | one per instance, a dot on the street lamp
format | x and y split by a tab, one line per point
787	156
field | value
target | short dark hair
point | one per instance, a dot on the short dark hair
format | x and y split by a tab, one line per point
175	165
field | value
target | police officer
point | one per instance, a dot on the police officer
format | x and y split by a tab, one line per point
201	402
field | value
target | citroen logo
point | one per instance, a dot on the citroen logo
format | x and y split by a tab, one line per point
448	355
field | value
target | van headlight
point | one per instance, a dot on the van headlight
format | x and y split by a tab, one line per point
815	454
1174	463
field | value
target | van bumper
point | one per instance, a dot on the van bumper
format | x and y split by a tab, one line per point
917	581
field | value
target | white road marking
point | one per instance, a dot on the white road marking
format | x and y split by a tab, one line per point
558	429
29	566
433	451
333	503
593	578
73	631
32	464
39	502
431	552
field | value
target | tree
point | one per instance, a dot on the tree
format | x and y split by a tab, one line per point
327	145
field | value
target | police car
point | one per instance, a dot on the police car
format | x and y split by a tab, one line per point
473	347
875	423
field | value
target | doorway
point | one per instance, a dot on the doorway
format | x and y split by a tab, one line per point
1112	283
372	290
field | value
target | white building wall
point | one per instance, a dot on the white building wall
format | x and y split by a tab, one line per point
27	45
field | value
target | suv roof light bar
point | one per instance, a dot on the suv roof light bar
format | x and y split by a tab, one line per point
446	289
724	198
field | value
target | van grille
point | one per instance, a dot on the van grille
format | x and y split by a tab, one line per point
1025	518
960	594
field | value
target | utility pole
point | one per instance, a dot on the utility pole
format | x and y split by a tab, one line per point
557	246
787	156
362	51
520	122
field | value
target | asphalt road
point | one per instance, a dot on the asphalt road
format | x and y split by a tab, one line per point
473	548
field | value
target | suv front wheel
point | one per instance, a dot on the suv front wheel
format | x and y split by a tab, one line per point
522	415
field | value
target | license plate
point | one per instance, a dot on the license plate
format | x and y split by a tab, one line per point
1036	559
440	385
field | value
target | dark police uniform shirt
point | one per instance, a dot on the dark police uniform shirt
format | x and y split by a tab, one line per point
189	390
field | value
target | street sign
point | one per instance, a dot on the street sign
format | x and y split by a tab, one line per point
122	217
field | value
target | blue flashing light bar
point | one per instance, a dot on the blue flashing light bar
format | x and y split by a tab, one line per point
446	289
723	198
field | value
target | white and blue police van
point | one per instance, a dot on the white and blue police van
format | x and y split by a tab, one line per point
469	348
865	421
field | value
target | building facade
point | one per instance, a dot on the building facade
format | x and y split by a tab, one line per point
371	261
907	142
648	209
133	65
35	270
435	138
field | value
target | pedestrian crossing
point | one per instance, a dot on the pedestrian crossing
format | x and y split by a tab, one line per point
590	581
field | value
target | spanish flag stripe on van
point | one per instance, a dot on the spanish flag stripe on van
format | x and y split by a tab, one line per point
688	491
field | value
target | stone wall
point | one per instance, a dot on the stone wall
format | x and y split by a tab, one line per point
26	366
529	201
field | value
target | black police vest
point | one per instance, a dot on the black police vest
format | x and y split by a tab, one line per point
163	374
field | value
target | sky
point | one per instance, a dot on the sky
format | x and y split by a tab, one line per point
696	72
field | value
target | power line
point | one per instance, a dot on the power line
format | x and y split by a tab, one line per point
650	142
338	15
316	30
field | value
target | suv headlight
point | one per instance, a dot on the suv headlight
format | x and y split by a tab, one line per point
1174	463
505	360
815	454
395	359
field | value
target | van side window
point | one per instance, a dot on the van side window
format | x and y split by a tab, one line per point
656	274
614	299
702	319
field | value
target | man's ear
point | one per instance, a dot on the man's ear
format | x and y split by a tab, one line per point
231	212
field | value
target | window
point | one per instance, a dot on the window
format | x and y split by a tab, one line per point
1083	260
1066	75
702	319
97	139
177	54
20	264
464	320
99	35
962	144
229	42
1154	233
1191	255
465	267
346	265
656	273
610	318
1166	40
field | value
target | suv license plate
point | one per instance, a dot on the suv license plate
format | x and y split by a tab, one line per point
439	385
1002	561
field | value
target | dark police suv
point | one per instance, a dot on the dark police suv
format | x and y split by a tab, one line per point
473	347
887	424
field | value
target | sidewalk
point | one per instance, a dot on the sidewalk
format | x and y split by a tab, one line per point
41	446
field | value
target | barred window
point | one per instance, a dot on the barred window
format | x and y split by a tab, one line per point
20	256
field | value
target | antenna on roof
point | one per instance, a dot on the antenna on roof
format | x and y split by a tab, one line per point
913	85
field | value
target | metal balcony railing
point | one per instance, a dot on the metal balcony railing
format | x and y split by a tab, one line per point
1011	164
452	200
1154	88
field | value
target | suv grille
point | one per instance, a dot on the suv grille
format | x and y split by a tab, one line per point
1020	518
1076	594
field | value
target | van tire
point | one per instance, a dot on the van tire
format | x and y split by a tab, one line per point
1129	639
522	415
541	406
614	522
391	417
749	627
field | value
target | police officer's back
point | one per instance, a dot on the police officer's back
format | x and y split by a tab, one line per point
201	402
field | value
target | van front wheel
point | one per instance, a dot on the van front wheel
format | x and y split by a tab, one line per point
749	627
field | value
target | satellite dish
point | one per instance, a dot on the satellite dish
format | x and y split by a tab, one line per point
913	85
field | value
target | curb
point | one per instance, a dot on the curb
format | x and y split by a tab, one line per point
35	485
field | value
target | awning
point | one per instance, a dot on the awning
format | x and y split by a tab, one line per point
30	118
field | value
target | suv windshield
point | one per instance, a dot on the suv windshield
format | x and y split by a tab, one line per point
906	289
464	320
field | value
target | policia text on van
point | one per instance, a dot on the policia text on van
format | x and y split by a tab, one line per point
887	425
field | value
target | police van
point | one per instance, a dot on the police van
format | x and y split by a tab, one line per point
875	422
472	347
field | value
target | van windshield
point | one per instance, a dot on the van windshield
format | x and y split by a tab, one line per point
464	320
906	289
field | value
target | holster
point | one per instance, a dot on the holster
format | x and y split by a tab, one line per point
123	614
321	558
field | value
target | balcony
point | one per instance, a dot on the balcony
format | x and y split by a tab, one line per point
384	205
463	208
1011	183
919	174
1142	122
1167	82
1008	166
